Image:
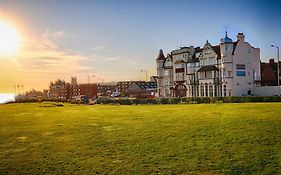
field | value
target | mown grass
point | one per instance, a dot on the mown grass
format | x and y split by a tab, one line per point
146	139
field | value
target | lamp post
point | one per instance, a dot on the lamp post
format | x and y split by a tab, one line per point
145	74
278	69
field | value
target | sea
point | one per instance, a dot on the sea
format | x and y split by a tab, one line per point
6	97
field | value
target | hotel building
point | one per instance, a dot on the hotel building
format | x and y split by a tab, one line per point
227	69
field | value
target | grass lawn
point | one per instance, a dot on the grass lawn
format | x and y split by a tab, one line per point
146	139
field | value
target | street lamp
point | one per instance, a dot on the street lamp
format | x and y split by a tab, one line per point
278	69
145	74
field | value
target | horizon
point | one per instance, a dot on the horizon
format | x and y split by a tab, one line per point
112	41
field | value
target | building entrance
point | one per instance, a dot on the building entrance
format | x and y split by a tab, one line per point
180	90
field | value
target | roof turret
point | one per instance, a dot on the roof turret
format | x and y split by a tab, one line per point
226	39
160	55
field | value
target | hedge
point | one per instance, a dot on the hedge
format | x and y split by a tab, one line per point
189	100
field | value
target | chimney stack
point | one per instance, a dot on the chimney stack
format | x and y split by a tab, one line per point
271	61
240	37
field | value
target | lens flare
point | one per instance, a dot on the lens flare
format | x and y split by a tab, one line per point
9	39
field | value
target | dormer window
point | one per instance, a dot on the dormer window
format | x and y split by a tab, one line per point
207	51
212	61
168	63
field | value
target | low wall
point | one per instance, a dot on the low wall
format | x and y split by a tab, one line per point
266	90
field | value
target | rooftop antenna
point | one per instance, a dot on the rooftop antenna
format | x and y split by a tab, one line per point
226	27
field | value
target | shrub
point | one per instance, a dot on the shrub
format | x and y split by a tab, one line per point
190	100
163	100
137	101
185	100
150	101
174	100
202	100
124	102
105	101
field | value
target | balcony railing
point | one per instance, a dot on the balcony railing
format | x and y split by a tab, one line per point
193	82
210	80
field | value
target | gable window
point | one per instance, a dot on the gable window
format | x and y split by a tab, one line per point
179	65
212	61
190	65
205	62
207	51
168	63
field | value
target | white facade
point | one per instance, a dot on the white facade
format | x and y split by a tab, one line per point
228	69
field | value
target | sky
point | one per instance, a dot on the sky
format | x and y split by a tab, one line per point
112	40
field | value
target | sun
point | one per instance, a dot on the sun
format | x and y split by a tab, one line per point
9	39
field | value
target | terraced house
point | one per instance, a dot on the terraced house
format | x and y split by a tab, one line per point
227	69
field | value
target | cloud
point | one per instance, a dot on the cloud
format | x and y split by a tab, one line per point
106	59
43	54
96	48
42	59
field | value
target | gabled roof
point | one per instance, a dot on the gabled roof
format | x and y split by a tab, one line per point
217	50
169	56
160	55
208	68
179	61
193	58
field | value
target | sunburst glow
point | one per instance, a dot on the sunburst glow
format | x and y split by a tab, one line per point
9	39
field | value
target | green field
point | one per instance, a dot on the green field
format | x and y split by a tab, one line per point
146	139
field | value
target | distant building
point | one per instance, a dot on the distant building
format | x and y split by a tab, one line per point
33	94
59	90
122	87
88	89
105	89
269	73
74	88
142	89
227	69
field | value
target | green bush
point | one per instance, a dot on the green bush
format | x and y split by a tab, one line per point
123	102
105	101
150	101
174	100
202	100
137	101
163	100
